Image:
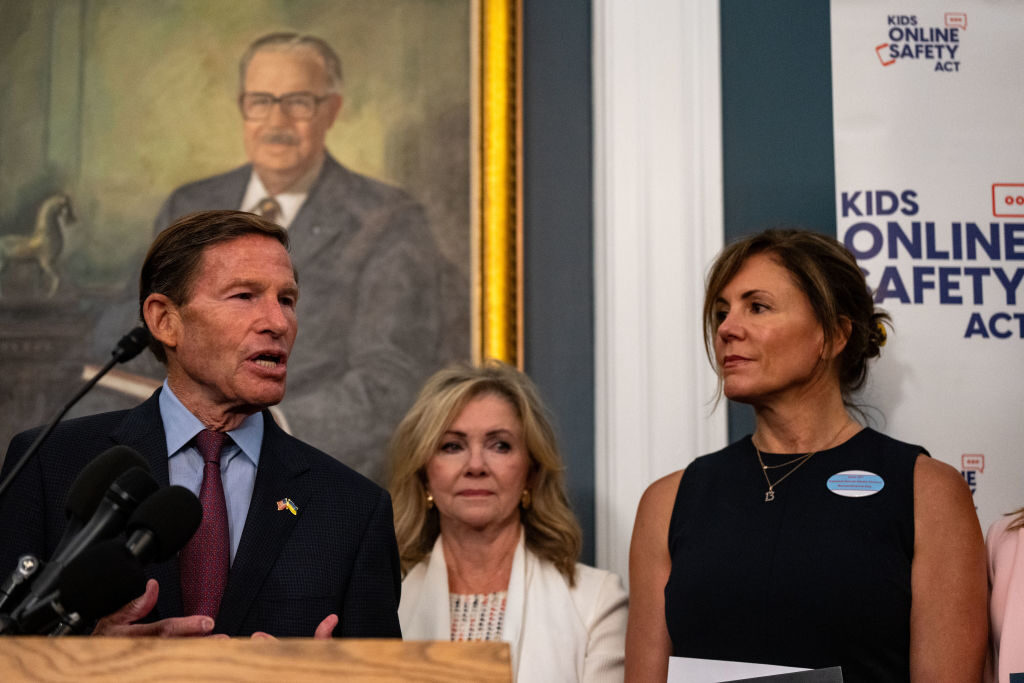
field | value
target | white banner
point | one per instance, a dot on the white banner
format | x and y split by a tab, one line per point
929	147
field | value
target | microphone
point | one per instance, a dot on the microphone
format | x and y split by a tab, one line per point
84	496
106	576
17	581
127	348
99	581
163	524
120	500
159	527
92	483
131	344
113	510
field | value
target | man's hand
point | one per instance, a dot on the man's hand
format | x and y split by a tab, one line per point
323	631
326	627
122	622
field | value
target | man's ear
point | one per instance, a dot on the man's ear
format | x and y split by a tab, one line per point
163	319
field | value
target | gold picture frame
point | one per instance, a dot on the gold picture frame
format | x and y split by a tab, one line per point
497	187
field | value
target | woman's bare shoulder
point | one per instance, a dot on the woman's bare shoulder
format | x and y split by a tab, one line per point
660	496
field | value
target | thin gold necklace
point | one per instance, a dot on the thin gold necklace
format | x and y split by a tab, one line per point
769	495
784	464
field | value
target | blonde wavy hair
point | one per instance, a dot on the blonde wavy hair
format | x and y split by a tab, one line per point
1018	522
550	528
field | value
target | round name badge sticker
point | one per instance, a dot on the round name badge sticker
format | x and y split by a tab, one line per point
855	483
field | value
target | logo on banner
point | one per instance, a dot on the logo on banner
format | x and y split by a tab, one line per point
912	260
911	39
971	466
1008	200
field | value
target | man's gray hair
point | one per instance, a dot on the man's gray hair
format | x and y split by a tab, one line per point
288	41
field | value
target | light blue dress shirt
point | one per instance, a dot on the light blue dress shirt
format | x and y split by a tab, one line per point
238	460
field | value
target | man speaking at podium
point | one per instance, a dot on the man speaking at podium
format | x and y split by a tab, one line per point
292	542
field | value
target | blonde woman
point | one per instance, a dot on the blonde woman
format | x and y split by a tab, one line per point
485	534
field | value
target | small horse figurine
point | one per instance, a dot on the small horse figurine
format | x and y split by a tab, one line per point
45	242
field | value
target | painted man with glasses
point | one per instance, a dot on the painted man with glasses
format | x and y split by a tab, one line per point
369	267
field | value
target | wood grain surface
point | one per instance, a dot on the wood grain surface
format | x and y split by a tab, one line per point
34	658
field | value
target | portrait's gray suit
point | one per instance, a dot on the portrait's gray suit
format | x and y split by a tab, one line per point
370	307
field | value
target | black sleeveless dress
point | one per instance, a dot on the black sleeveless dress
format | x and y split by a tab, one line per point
812	579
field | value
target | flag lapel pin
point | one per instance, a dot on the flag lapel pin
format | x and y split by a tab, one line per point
287	504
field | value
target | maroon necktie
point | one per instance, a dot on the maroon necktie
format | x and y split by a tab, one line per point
205	559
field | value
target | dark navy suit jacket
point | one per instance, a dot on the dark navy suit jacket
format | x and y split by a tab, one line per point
338	554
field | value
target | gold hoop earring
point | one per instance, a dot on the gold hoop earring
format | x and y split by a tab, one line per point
525	499
430	501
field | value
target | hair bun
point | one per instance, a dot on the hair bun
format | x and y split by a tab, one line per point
877	336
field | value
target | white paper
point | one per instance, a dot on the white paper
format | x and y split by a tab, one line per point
690	670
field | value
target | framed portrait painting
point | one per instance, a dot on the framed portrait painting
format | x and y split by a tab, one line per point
121	117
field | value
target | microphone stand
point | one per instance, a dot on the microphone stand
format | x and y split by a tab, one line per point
127	348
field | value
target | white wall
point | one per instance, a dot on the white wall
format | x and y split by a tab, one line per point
658	224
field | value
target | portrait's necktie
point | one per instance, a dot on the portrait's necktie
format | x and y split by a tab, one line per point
205	559
269	209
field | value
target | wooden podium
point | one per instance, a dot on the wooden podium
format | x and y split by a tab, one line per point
36	658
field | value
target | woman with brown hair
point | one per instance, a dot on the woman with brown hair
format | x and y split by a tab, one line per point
485	534
815	542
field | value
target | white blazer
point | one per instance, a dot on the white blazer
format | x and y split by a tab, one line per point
1006	601
556	633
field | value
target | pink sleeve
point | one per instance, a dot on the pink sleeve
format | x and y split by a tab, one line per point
1006	600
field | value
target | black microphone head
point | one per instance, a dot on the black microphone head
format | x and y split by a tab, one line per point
131	344
132	487
96	477
101	580
171	516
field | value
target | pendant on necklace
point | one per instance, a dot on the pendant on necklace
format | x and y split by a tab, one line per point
769	496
